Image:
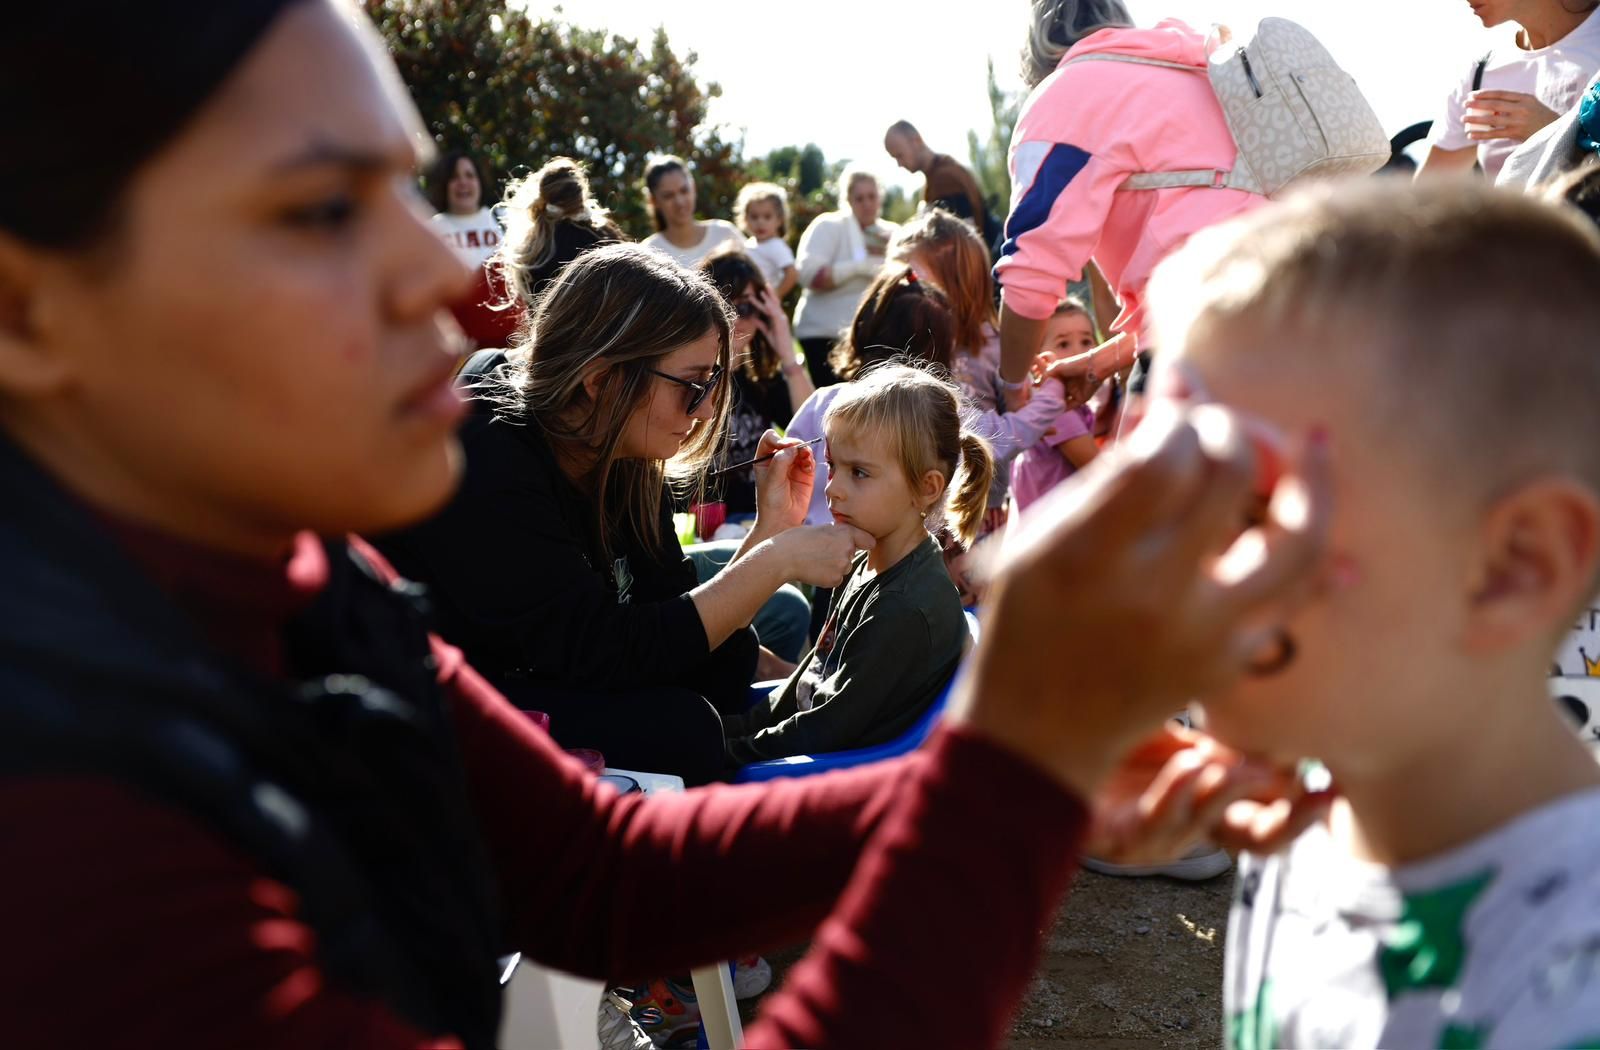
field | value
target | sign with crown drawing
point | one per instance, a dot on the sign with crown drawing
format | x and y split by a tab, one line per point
1579	656
1575	676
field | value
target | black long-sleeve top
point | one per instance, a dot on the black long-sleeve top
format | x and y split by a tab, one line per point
518	579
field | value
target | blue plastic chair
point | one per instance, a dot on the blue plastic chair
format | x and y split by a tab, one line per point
906	742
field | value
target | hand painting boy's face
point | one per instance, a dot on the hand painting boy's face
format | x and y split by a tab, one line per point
1372	658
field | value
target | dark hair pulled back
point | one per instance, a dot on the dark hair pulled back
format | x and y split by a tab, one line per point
94	91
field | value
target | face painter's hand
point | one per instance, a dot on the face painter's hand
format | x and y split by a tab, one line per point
1179	788
783	483
821	555
1138	583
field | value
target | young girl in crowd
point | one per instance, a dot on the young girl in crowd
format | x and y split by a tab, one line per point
762	212
900	460
1069	444
899	316
946	250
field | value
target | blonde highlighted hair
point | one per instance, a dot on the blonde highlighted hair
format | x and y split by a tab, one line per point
534	206
919	414
958	262
756	193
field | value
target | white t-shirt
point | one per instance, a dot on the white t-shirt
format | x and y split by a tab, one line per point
717	232
1556	75
772	255
474	237
1494	944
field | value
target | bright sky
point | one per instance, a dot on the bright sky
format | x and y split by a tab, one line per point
843	70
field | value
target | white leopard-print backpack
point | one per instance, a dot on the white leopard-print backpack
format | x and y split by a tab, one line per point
1295	115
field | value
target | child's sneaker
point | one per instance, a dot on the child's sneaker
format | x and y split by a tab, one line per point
668	1012
1201	863
752	975
616	1027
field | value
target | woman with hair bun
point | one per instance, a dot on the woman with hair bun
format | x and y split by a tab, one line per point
551	219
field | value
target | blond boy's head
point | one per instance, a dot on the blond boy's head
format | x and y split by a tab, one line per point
1448	339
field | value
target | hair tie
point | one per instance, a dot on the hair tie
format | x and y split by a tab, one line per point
911	276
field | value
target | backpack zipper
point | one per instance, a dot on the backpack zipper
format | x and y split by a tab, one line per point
1255	85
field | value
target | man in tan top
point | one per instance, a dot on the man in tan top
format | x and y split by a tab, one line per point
948	185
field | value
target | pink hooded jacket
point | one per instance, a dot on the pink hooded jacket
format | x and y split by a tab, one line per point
1080	134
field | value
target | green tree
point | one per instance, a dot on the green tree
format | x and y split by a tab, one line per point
898	205
516	91
989	156
813	173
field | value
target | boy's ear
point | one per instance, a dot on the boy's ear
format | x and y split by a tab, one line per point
26	364
1539	554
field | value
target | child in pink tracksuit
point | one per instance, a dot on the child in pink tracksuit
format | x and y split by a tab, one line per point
1084	129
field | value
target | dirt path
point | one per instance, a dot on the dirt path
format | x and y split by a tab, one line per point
1130	964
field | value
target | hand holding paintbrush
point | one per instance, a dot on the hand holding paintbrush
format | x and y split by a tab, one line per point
763	459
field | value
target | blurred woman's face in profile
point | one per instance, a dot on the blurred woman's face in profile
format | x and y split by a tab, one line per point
269	354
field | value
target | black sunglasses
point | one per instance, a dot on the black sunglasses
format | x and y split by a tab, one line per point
698	391
745	308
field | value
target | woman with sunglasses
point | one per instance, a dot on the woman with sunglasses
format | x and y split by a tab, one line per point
556	567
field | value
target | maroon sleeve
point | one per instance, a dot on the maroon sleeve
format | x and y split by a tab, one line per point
126	924
971	850
938	933
623	887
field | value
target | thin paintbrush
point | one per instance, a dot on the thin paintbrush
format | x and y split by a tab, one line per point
762	459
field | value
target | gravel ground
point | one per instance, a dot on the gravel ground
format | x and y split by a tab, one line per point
1130	964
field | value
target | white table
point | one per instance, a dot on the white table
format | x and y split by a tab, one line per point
541	1002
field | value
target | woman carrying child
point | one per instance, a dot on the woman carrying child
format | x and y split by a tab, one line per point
899	461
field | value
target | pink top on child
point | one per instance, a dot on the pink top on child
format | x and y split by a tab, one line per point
1084	130
1041	466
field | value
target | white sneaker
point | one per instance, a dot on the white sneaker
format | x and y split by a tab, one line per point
1201	863
752	975
616	1027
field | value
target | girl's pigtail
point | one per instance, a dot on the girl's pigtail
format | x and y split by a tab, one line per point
969	492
